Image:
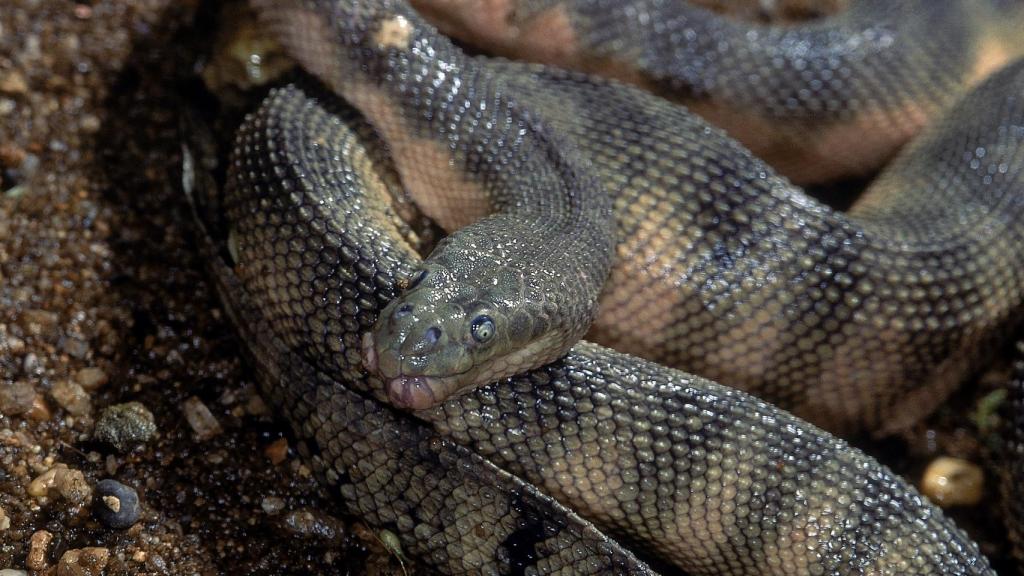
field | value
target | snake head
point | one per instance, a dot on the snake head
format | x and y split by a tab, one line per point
448	334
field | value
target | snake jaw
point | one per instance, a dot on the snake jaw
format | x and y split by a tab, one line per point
369	353
413	392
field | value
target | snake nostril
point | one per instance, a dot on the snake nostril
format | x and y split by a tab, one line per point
402	311
432	335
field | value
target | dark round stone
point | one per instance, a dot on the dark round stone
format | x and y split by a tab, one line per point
115	505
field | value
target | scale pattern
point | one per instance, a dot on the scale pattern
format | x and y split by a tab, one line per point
694	473
858	321
828	98
506	188
450	508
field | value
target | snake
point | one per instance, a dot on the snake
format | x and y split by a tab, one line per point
696	474
864	320
832	97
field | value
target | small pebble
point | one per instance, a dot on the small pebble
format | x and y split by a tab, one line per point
40	411
5	522
11	156
124	425
31	365
91	378
12	572
116	505
75	347
16	398
202	421
10	183
156	562
309	523
272	504
111	464
90	124
69	483
41	323
83	562
13	83
14	344
277	451
41	485
953	482
255	406
29	166
72	397
38	544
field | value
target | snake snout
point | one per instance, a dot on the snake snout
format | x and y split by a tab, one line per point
410	339
401	312
425	343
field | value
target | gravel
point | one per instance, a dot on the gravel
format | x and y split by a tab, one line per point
16	398
104	303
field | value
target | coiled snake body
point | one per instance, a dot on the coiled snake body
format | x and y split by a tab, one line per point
720	265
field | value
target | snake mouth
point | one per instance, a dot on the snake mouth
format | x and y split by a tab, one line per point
369	353
406	392
413	392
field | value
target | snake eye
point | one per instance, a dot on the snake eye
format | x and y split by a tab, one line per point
482	328
417	279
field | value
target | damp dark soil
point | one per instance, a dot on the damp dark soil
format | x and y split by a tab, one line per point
116	360
103	301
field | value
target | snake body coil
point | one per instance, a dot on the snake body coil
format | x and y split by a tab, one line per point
863	321
507	188
696	474
858	321
831	97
